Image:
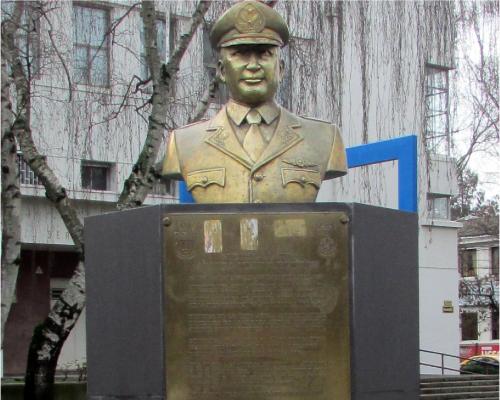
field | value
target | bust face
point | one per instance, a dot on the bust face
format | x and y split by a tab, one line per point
251	72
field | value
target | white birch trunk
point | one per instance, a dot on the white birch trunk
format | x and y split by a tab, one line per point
11	202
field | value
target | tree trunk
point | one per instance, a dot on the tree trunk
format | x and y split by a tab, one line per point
143	175
49	337
11	202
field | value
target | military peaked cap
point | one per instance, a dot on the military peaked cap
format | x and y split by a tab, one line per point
249	22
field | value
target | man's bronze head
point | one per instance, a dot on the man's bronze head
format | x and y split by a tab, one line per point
249	36
251	72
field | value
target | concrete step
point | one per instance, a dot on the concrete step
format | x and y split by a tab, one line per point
460	396
452	378
451	384
460	389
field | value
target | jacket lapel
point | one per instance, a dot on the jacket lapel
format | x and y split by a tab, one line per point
286	136
220	135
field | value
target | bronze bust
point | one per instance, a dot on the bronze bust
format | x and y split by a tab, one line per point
253	151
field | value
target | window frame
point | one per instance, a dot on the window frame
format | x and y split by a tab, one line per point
97	164
21	162
430	141
164	187
107	10
494	324
431	198
462	332
468	269
494	267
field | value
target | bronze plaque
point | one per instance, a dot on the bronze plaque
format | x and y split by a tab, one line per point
257	306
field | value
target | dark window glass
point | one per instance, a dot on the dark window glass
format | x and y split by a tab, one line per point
469	326
494	324
95	177
494	262
468	262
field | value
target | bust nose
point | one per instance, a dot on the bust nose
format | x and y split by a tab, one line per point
253	63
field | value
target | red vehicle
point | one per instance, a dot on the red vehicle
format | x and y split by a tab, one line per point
479	349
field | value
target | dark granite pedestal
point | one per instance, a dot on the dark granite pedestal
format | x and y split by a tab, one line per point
252	302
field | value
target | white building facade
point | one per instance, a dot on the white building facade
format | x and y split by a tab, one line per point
379	70
479	291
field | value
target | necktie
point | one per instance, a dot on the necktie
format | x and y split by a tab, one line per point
253	142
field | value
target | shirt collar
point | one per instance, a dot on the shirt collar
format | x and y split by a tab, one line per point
237	111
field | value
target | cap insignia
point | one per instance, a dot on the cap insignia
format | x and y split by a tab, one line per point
250	19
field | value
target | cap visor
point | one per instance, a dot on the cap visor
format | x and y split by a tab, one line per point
251	40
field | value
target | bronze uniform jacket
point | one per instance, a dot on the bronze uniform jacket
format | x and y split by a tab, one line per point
209	158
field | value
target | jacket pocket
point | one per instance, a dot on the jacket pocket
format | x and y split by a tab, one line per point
301	176
205	177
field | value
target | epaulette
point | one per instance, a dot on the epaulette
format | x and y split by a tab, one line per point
316	119
191	124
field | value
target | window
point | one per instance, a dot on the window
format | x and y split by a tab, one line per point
161	27
468	324
494	324
96	176
437	109
438	206
494	262
210	59
27	35
164	187
91	46
468	262
26	174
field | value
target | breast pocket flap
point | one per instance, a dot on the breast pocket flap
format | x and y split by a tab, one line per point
301	176
205	177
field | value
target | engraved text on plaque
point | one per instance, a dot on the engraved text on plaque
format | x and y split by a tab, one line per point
257	306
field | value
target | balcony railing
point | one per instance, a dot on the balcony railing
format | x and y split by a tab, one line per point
26	174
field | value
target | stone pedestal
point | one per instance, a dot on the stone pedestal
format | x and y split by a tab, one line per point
276	301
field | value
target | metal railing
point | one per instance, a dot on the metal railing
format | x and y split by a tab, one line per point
442	366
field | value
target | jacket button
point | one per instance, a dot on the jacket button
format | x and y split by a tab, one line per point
204	179
303	179
258	177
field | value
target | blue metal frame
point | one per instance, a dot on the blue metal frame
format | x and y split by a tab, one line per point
184	195
402	149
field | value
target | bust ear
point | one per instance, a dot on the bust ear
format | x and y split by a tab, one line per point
282	69
220	73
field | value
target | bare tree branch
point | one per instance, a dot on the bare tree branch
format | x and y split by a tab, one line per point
204	102
59	55
173	65
142	177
